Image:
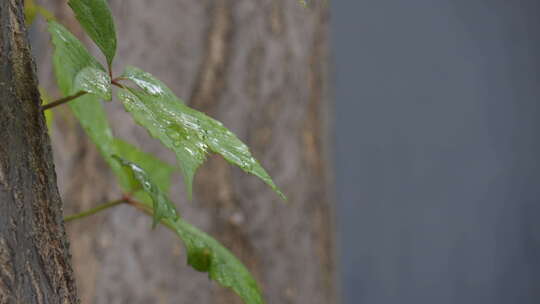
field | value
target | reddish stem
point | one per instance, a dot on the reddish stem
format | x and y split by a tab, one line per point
62	101
116	83
110	70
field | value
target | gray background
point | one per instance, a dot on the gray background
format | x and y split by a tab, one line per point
438	126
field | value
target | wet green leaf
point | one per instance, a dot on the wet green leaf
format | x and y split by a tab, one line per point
158	171
69	58
189	133
205	254
93	118
94	81
96	19
161	205
189	155
151	85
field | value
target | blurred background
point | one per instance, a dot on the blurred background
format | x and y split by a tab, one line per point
437	119
403	133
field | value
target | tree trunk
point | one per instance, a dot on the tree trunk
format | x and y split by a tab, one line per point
34	258
260	67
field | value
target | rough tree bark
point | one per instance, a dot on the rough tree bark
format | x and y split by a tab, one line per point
261	68
34	259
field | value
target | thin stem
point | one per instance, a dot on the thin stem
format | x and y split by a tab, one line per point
120	78
96	209
110	70
126	199
140	206
62	101
116	83
145	209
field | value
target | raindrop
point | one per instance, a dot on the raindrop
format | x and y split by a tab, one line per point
173	133
147	186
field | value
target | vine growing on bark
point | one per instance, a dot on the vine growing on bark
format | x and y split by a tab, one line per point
143	178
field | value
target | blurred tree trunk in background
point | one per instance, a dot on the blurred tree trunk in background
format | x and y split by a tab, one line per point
261	67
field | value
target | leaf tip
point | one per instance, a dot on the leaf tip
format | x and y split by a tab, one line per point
188	180
281	195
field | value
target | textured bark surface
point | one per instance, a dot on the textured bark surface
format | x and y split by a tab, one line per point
261	68
34	258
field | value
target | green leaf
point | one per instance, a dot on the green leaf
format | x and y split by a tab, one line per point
189	133
71	60
96	19
158	171
93	118
189	155
161	205
94	81
151	85
70	57
205	254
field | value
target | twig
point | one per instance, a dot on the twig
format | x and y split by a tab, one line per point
96	209
62	101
